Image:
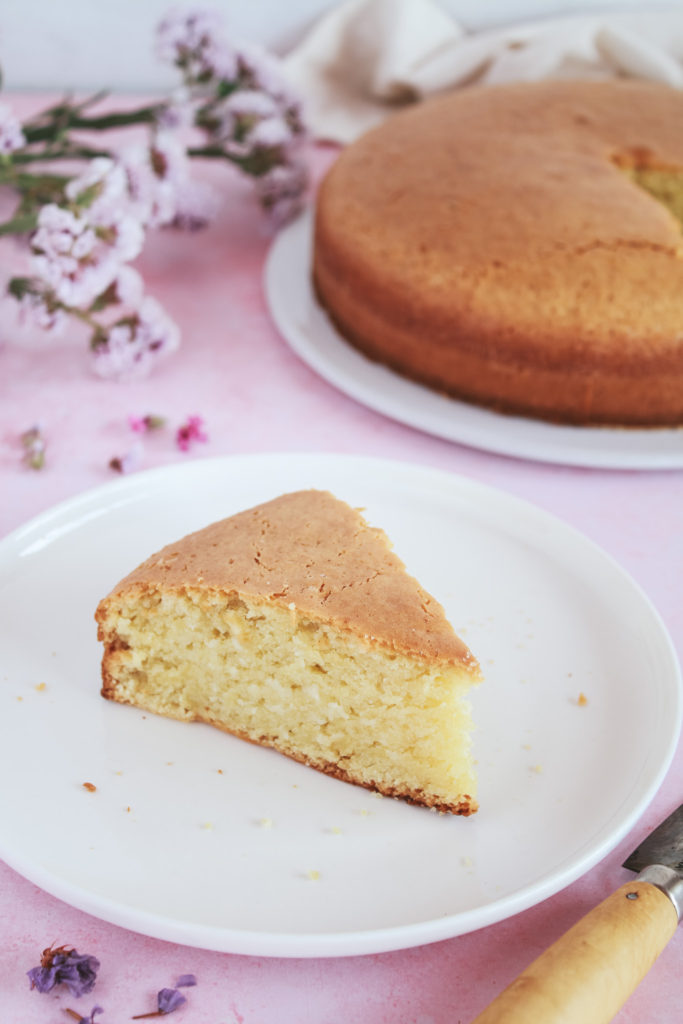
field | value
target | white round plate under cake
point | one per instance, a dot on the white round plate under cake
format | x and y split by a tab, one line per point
194	836
310	333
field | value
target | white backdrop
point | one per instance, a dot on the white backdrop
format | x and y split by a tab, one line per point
93	44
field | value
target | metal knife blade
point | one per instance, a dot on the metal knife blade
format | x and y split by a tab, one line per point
663	846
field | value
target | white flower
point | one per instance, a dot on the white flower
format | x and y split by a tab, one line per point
101	187
11	135
153	175
134	345
78	261
33	310
197	204
194	40
129	287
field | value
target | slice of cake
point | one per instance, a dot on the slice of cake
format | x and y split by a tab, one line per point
294	625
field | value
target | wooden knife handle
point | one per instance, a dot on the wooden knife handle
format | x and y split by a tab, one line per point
587	975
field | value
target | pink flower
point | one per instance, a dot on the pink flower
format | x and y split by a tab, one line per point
129	461
34	447
281	192
194	41
190	432
145	424
197	204
154	174
133	345
36	309
11	135
77	260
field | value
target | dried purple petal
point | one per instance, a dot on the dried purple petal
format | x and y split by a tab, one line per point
169	999
186	981
62	965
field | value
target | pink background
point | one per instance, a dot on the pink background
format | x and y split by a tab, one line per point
255	395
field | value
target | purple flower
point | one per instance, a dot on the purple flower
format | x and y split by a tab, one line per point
77	259
11	135
190	432
41	310
186	981
281	192
133	345
194	41
62	965
170	999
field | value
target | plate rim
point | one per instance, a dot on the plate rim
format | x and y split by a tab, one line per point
373	940
478	427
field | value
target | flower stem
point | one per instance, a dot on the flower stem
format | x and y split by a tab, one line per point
65	117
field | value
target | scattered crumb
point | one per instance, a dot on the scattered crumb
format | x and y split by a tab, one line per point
20	698
219	770
378	796
336	831
364	813
582	700
118	773
526	746
313	875
266	822
170	763
569	675
128	809
41	687
537	768
466	862
207	826
90	787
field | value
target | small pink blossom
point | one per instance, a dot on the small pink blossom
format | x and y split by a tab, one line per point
11	135
134	344
190	432
145	424
194	41
36	309
197	204
78	261
129	461
281	192
100	186
33	443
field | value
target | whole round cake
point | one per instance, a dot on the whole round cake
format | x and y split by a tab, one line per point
518	247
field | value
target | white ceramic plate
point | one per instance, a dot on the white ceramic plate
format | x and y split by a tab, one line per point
194	836
309	332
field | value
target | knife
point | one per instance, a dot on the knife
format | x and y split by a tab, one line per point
587	975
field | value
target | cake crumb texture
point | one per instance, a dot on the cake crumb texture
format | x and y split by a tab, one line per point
294	625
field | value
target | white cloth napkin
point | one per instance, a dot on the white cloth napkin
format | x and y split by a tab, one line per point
366	57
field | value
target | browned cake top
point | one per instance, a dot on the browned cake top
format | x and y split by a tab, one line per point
489	204
313	551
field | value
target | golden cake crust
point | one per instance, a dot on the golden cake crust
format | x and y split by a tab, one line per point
489	244
341	570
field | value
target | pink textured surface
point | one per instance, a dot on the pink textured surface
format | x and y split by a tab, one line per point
256	396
